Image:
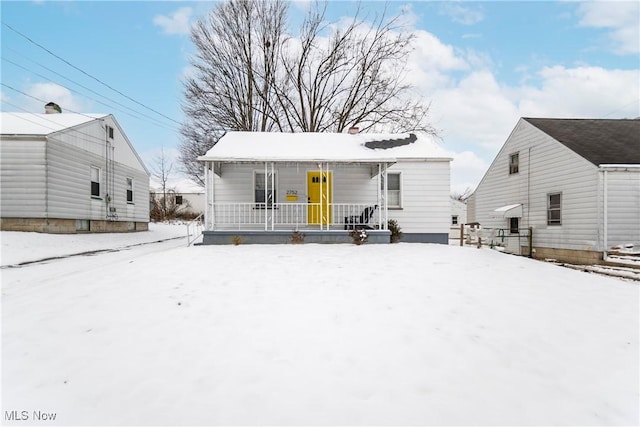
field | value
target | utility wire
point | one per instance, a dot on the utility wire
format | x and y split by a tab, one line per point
623	107
93	140
155	121
87	74
96	141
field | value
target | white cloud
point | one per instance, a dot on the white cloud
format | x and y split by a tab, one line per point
582	92
621	17
51	92
467	169
461	14
176	23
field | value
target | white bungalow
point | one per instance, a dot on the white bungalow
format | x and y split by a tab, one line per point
261	187
575	182
68	173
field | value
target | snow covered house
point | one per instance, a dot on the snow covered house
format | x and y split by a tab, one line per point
261	187
576	182
184	194
69	173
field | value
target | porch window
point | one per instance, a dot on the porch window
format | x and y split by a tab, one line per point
554	209
95	181
394	195
129	190
264	181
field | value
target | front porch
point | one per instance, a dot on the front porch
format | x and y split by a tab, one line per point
291	222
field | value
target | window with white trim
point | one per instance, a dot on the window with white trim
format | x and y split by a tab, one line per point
264	181
454	219
129	190
394	189
95	181
554	209
109	132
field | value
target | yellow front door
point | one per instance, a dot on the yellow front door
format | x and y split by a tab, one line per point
320	196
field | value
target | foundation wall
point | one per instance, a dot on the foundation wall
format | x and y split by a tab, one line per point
70	226
569	255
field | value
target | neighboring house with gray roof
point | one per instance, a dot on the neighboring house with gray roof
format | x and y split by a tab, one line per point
260	187
69	173
576	182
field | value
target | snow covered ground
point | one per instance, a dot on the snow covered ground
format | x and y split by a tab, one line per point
405	334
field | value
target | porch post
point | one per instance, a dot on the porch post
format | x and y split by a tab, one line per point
385	216
273	199
321	193
266	197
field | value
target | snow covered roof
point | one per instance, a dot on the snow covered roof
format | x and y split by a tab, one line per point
179	185
329	147
42	124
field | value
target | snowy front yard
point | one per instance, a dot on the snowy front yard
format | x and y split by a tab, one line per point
400	334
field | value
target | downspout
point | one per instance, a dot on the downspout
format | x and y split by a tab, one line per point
605	205
46	181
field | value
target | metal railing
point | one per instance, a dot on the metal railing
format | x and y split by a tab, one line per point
194	229
291	215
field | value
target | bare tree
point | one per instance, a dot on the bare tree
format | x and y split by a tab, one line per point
251	75
462	197
162	172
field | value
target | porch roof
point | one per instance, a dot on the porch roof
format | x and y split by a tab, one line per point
323	147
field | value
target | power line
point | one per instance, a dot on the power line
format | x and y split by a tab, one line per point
623	107
87	74
154	121
96	140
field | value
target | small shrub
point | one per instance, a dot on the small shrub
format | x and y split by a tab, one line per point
359	236
394	228
297	237
236	240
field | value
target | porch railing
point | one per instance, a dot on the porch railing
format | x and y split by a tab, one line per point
290	215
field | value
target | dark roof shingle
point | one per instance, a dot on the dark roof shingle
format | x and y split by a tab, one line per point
600	141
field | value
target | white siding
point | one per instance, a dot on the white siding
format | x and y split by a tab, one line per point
425	189
51	178
426	206
623	208
92	137
22	179
545	167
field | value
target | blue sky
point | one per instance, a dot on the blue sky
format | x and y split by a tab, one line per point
482	65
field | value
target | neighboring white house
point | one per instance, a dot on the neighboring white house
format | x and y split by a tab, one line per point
458	218
68	173
576	182
267	185
186	195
